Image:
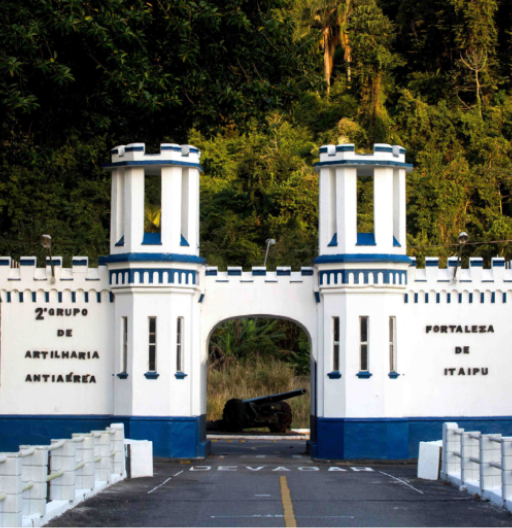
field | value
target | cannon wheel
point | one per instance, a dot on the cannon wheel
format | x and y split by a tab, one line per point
234	416
285	420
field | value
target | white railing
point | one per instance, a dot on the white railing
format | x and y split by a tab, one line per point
39	482
479	463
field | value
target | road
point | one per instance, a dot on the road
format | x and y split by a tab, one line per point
266	483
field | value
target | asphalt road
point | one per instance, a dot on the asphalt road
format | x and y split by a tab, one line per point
265	483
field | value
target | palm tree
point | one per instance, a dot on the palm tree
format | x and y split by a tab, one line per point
330	18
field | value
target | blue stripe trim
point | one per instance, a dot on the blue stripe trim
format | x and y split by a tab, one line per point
111	295
47	297
121	242
33	296
406	298
86	297
389	276
504	297
476	263
306	272
470	298
171	274
438	298
317	297
59	296
20	294
153	257
201	297
396	243
73	297
5	262
415	298
27	261
162	163
383	149
364	375
434	263
362	257
259	272
426	298
98	297
482	298
375	163
334	241
235	272
151	375
334	374
79	262
57	261
498	263
366	239
211	273
134	149
283	273
184	242
152	239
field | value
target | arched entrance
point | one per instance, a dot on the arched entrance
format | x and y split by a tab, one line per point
258	357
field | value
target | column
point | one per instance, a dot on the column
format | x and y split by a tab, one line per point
117	210
324	212
134	209
171	209
346	198
193	210
383	209
399	204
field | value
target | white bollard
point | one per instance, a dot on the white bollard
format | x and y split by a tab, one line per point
35	473
63	470
451	444
490	452
119	459
11	488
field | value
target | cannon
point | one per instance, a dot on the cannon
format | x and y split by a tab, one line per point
266	411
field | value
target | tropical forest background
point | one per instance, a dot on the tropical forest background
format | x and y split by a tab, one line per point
258	86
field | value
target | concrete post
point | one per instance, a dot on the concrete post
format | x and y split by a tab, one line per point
35	473
451	443
63	459
470	448
12	484
506	473
490	477
399	207
85	455
118	437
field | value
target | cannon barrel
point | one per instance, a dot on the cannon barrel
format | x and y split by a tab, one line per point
274	398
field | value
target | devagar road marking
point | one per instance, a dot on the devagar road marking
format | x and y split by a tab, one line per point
402	481
165	482
289	517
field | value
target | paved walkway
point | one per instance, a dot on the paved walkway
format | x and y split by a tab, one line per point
265	483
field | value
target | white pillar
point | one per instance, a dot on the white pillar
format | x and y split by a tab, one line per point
63	459
11	506
171	209
193	210
35	472
383	208
324	212
399	207
117	210
346	205
470	448
134	209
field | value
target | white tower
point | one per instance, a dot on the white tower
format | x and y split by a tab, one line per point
155	279
361	281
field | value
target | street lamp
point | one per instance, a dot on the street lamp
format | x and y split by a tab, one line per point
463	238
270	242
46	242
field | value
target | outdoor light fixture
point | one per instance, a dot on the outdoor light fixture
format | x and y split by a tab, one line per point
46	242
270	242
463	238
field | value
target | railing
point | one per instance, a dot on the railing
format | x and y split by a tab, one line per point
61	474
480	463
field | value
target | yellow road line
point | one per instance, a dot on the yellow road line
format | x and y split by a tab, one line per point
289	516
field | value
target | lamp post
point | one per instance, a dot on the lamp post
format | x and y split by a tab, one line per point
463	238
46	242
270	242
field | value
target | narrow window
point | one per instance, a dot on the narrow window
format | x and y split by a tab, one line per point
392	344
364	324
152	205
365	218
336	343
152	344
179	345
124	344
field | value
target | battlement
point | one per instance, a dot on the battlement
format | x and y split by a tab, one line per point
258	273
170	153
476	273
384	155
28	276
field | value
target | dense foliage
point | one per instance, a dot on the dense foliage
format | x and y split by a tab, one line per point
259	86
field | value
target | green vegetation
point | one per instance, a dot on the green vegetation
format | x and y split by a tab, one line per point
257	377
258	86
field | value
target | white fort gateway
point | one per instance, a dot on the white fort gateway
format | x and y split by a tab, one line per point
395	350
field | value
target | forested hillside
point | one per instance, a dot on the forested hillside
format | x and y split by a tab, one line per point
259	86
